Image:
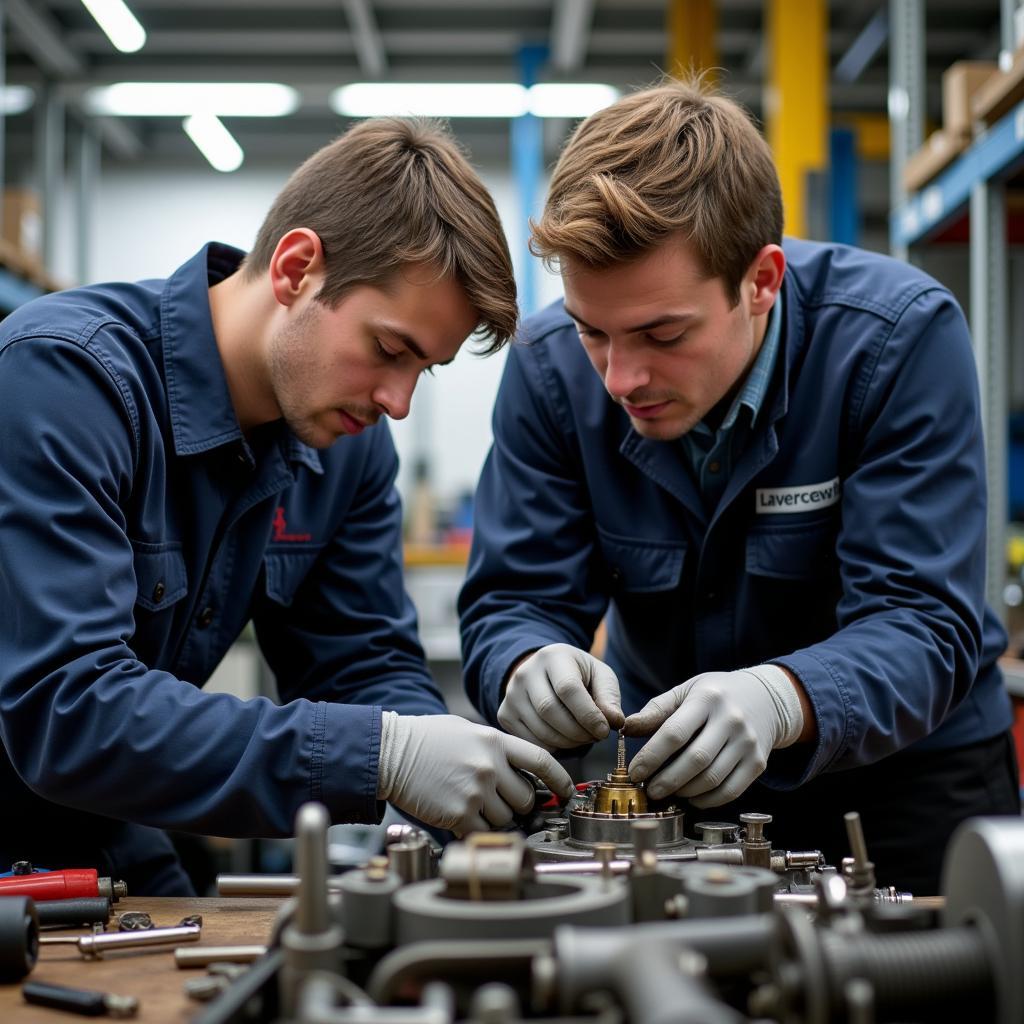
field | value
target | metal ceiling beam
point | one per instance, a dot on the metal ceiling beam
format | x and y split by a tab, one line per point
373	60
570	28
42	39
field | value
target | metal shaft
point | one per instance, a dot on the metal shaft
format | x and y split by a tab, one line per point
95	945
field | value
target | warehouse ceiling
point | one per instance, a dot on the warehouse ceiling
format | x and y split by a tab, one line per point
317	45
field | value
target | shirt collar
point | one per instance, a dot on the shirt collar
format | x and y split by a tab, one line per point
755	387
202	415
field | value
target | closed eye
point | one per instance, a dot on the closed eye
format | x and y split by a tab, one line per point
383	352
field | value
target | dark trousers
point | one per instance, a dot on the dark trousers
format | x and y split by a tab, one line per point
909	804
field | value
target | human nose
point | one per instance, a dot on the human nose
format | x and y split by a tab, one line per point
395	396
624	372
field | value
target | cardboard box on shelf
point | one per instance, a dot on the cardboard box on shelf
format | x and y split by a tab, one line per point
939	150
960	81
23	225
1000	91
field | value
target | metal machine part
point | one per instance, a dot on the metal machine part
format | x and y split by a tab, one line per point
683	940
95	945
617	812
487	888
313	939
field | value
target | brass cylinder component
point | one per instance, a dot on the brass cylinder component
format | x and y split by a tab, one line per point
620	794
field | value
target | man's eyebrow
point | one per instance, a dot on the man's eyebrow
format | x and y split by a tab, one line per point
669	318
413	346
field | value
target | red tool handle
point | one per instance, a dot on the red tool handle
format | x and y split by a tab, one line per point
52	885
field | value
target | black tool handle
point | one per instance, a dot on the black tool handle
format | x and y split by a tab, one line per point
78	911
85	1001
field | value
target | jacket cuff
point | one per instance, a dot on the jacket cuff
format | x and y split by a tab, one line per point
344	767
792	767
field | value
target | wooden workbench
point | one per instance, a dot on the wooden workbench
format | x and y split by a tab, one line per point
150	975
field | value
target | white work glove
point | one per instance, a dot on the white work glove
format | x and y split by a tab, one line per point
723	726
456	775
560	697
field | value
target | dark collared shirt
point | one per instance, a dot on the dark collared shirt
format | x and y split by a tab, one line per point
713	452
140	532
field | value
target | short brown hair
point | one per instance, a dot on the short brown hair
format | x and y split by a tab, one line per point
671	158
391	192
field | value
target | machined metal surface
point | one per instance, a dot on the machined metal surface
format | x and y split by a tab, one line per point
424	913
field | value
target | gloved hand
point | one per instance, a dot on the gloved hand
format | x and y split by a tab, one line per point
561	697
725	723
456	775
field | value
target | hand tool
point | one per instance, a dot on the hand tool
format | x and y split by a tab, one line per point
81	910
24	880
96	945
85	1001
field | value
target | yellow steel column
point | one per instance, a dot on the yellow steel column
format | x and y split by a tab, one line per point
796	99
691	26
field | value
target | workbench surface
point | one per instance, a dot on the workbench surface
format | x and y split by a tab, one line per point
150	975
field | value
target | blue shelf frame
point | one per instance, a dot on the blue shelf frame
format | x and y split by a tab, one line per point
995	155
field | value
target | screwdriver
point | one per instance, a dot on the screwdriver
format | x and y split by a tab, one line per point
86	1001
61	885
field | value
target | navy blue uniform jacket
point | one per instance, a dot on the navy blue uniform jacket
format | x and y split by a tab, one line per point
848	545
139	532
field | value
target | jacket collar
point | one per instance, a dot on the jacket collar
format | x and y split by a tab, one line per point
202	415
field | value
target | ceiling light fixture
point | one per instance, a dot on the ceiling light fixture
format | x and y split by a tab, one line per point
180	99
119	25
430	99
214	141
16	99
470	99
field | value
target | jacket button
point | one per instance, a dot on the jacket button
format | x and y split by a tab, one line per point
158	591
205	617
616	574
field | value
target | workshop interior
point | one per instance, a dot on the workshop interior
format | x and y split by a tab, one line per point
132	132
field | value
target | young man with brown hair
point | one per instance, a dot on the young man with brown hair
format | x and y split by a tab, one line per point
764	461
169	475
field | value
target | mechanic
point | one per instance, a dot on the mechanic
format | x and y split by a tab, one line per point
169	475
764	460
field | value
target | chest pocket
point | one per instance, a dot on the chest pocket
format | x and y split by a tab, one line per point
287	570
640	566
160	576
793	551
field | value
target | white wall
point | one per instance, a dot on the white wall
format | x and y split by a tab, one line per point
149	220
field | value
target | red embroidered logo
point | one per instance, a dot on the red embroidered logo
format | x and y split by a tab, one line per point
281	529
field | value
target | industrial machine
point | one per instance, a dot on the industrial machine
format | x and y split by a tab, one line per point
610	914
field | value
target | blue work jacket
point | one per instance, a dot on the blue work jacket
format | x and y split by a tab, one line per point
139	532
848	546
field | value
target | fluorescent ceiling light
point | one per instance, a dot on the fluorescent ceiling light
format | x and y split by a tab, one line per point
179	99
569	99
470	99
430	99
121	27
214	141
16	99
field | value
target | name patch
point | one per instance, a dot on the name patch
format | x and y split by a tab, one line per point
776	500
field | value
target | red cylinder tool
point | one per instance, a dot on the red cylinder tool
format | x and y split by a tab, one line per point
61	885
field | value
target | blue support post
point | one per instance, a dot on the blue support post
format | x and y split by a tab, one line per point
527	143
844	213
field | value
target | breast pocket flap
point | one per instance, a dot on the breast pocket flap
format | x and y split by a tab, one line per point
286	571
792	552
160	576
642	566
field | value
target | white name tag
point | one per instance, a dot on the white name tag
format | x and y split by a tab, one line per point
775	500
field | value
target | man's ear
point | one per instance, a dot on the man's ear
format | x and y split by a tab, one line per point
297	265
764	278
